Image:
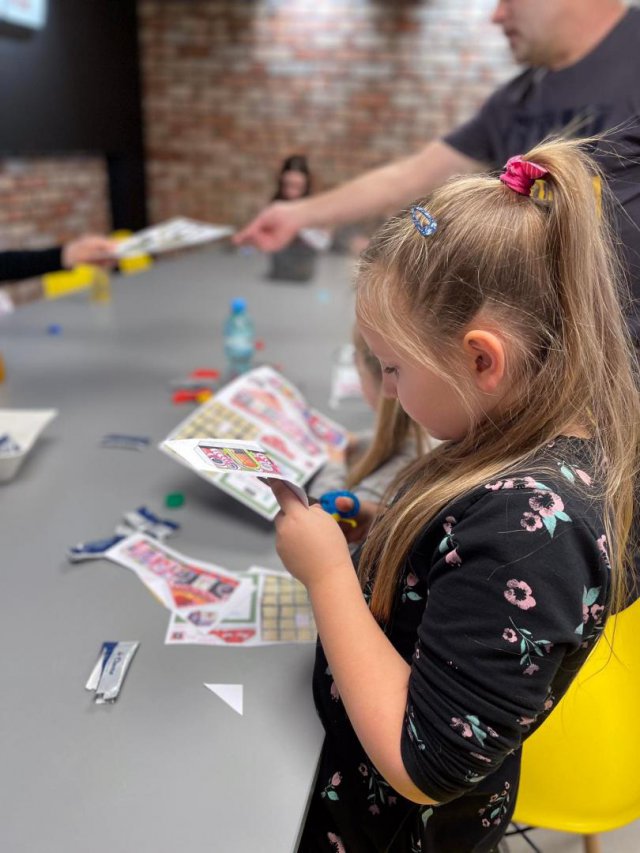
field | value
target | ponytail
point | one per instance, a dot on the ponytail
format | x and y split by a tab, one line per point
544	269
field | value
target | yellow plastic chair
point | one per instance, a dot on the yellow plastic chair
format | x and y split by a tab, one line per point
581	769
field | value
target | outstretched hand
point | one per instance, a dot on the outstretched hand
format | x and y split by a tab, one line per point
273	228
309	542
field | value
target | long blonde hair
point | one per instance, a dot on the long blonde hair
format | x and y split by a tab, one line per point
393	427
546	275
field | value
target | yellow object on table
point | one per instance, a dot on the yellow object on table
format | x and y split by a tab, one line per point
57	284
204	395
137	263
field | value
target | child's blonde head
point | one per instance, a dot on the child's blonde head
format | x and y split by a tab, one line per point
393	428
368	368
543	276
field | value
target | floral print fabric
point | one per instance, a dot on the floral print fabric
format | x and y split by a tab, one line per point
502	598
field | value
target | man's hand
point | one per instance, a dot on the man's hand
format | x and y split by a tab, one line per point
273	228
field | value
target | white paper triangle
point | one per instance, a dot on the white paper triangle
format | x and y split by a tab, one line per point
229	693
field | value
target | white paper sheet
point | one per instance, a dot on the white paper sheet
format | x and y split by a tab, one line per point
276	611
23	426
178	233
263	406
219	455
183	585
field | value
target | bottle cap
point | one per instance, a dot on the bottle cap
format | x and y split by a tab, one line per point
238	305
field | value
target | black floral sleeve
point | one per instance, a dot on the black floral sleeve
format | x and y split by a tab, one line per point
517	579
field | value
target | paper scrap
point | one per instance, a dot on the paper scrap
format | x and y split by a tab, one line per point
229	693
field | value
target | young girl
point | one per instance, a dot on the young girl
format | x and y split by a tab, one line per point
487	580
372	462
296	262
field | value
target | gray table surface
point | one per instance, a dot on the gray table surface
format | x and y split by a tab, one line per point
169	766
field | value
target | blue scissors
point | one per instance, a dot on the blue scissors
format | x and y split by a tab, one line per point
328	504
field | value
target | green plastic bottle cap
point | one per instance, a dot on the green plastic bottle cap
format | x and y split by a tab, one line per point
174	500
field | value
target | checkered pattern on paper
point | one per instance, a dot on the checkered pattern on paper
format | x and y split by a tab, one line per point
287	616
215	419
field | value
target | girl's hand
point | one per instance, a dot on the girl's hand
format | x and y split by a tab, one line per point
364	519
309	542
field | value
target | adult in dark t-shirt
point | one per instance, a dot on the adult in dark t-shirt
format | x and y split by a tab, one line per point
584	68
598	94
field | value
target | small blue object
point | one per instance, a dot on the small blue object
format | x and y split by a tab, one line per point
152	518
424	221
145	521
92	550
328	504
97	546
54	329
126	442
8	445
238	305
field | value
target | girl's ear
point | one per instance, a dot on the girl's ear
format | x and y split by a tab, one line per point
485	356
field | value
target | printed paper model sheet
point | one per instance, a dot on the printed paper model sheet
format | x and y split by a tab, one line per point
263	407
180	583
242	458
178	233
276	611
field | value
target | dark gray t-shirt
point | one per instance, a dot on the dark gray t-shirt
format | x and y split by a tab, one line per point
600	93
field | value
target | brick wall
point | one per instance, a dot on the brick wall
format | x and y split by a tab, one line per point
49	200
232	87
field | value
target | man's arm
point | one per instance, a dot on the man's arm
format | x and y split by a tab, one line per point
389	188
379	191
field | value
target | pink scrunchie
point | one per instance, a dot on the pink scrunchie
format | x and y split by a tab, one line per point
520	175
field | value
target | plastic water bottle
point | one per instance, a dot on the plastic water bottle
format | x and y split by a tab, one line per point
239	338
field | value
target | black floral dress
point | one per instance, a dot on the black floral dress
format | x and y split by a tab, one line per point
501	600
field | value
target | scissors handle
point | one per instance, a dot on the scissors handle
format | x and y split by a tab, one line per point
328	503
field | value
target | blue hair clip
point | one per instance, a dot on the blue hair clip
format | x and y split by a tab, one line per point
424	221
